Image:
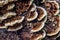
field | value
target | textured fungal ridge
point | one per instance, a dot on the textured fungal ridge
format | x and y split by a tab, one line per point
29	20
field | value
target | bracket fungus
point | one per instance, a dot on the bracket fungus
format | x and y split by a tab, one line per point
38	35
2	26
13	20
10	6
32	8
41	13
37	26
29	20
23	5
31	16
14	27
52	26
7	15
52	7
11	0
39	2
3	2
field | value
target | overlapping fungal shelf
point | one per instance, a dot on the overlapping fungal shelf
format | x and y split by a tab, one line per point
29	21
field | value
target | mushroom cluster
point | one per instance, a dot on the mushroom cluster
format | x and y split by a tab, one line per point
28	20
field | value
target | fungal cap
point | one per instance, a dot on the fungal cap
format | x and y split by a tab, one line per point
12	29
31	2
44	13
33	7
3	27
11	6
44	19
39	27
33	18
57	7
39	36
8	14
13	22
42	35
43	1
3	2
11	0
53	33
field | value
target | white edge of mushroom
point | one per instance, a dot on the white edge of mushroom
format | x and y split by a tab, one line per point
40	27
57	6
35	16
15	29
45	13
16	21
7	14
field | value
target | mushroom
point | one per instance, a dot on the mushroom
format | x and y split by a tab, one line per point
3	2
32	7
39	2
59	20
2	25
41	13
15	27
43	1
44	19
10	6
31	15
38	35
23	5
52	26
7	15
11	21
11	0
52	7
37	26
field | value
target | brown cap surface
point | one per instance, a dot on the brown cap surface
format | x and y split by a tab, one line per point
22	6
52	7
31	15
37	26
38	35
41	13
52	26
15	27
